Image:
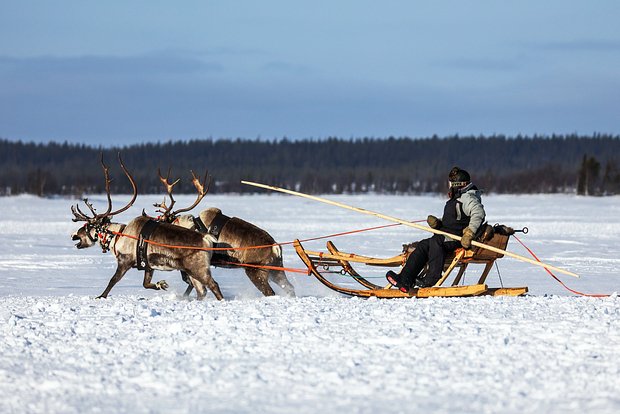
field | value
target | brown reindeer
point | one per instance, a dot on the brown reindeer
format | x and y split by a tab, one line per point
164	251
241	236
235	233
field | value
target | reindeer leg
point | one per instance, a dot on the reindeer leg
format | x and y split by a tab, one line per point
279	277
204	277
200	289
148	275
193	283
188	291
259	278
190	284
121	269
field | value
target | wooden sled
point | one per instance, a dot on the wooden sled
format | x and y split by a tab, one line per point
319	264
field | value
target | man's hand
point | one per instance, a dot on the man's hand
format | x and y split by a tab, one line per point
433	222
468	236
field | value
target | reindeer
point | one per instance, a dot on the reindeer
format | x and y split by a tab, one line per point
164	250
241	236
261	264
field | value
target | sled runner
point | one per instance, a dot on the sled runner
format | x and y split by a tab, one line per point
320	264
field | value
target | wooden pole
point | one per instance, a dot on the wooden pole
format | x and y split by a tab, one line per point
410	224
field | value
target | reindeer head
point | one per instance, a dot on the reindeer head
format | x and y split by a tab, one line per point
88	234
167	214
186	221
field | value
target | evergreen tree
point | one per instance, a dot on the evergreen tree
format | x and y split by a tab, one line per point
392	165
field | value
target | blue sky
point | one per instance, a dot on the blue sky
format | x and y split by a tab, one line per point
123	72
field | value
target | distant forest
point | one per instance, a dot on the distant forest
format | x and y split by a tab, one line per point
588	165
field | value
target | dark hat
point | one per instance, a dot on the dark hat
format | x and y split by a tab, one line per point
458	177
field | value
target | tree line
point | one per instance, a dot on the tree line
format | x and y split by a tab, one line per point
588	165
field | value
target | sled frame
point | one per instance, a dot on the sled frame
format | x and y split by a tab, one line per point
315	261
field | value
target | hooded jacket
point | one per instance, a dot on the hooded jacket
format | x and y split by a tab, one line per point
464	209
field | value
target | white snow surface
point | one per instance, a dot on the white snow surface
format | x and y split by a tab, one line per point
144	351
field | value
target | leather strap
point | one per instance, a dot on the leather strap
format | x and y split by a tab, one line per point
142	262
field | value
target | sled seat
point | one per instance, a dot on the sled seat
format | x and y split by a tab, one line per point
462	258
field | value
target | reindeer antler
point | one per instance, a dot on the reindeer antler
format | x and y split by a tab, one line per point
167	214
134	187
163	208
199	188
106	174
81	216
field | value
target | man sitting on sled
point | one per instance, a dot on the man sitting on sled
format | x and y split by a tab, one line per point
463	215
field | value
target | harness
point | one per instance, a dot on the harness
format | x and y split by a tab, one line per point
200	225
214	228
101	234
142	262
216	225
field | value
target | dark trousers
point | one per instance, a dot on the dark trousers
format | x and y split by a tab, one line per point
431	251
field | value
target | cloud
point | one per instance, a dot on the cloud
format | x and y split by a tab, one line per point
281	67
479	64
116	100
107	65
584	45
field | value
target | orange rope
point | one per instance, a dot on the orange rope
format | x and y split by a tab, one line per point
286	269
325	237
253	247
171	246
348	232
305	271
557	279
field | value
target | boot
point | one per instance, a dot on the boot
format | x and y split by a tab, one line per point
395	280
422	283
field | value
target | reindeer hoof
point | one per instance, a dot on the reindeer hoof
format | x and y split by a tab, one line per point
162	284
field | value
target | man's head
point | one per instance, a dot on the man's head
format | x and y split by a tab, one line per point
458	178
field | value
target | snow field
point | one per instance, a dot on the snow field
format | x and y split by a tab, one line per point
62	351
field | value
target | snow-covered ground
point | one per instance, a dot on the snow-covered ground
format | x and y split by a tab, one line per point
63	351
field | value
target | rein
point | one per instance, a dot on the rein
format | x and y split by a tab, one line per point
591	295
105	245
265	246
286	269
